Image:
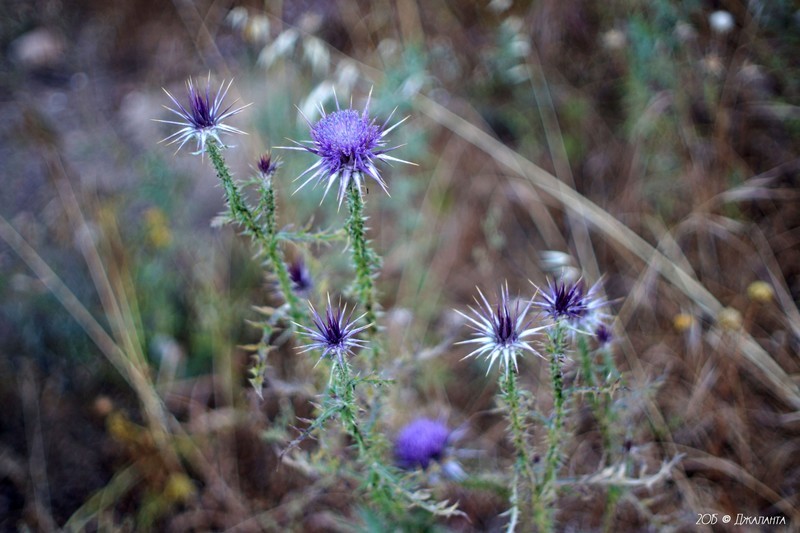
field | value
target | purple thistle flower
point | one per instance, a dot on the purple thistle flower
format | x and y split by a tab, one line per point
500	331
300	276
420	442
203	118
334	334
571	301
565	300
347	143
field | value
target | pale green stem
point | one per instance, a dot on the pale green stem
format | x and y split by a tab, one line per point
266	237
523	473
546	488
365	261
345	389
598	405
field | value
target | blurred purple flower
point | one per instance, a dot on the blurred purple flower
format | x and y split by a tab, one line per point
203	118
500	331
347	143
334	334
603	334
300	276
421	441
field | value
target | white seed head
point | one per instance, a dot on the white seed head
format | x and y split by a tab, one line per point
721	22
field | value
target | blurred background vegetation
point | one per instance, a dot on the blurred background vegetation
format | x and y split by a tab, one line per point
123	307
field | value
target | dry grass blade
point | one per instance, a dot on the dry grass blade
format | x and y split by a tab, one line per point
773	376
115	355
67	298
558	153
699	460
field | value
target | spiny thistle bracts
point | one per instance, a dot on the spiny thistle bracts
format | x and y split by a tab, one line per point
267	166
203	118
500	331
334	334
581	309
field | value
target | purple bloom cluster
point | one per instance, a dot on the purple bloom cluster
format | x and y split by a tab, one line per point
420	442
501	330
204	116
334	334
347	143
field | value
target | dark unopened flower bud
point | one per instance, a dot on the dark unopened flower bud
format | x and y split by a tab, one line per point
421	442
268	165
603	334
300	276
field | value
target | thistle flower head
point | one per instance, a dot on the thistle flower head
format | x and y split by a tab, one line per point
334	333
348	143
421	442
300	276
500	330
572	302
203	117
267	165
564	300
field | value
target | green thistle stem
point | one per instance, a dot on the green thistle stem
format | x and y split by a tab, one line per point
274	252
551	461
523	474
266	238
612	498
546	489
344	387
365	262
598	406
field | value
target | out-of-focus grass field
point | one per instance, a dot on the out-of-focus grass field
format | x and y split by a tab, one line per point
657	149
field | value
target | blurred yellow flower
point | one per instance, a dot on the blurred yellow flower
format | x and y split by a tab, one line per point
682	321
157	227
761	292
729	318
121	429
179	488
